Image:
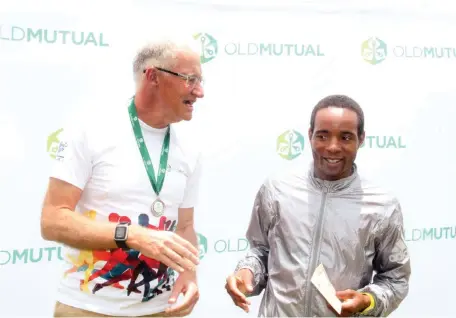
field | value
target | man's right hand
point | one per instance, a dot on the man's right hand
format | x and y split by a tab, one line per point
238	285
165	247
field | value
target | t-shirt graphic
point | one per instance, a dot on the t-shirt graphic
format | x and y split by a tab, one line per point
124	269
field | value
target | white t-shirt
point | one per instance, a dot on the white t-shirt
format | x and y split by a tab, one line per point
98	153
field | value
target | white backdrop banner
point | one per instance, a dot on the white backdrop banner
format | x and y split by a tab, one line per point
265	66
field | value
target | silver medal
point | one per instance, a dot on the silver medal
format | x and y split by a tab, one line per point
158	208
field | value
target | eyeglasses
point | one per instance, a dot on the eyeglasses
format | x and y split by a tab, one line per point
191	80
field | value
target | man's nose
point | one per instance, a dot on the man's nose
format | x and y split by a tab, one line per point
334	145
198	91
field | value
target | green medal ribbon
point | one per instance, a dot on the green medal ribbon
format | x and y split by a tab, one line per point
157	184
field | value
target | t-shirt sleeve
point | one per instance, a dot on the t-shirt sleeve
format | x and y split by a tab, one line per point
192	188
73	159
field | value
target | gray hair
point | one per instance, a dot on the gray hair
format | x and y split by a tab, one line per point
159	54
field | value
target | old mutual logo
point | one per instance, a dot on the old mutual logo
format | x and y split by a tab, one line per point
290	144
209	46
431	234
25	34
31	255
374	50
383	142
202	245
53	143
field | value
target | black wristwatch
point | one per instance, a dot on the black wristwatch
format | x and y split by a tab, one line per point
121	235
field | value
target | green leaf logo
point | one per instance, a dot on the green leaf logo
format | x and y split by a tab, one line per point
374	50
290	144
209	46
202	245
53	143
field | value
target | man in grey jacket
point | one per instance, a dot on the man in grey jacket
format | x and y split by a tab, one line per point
325	215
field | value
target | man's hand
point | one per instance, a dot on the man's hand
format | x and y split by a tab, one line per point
352	302
238	285
185	284
164	246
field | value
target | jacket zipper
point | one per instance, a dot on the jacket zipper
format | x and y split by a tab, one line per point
314	257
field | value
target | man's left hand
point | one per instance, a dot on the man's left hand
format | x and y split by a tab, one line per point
185	284
352	302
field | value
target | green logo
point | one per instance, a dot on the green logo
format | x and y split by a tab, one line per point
383	142
202	245
273	49
49	36
374	50
209	46
431	234
290	144
31	255
53	143
231	245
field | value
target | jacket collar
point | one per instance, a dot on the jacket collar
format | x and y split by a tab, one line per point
332	186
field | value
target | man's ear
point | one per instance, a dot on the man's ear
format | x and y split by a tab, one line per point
310	134
152	75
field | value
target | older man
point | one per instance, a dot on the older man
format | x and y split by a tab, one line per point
327	218
122	193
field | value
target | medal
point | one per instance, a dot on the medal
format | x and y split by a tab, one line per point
158	206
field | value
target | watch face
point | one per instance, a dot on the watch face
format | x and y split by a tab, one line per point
121	231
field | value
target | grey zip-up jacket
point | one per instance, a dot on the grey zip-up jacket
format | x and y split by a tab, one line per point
353	228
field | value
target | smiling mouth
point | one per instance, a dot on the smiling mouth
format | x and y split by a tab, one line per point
188	102
332	161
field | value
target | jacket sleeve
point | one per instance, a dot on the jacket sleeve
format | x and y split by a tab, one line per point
256	258
391	263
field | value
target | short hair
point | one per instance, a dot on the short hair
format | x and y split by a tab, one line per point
341	101
161	53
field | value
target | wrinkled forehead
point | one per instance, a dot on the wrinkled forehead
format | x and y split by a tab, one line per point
336	119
